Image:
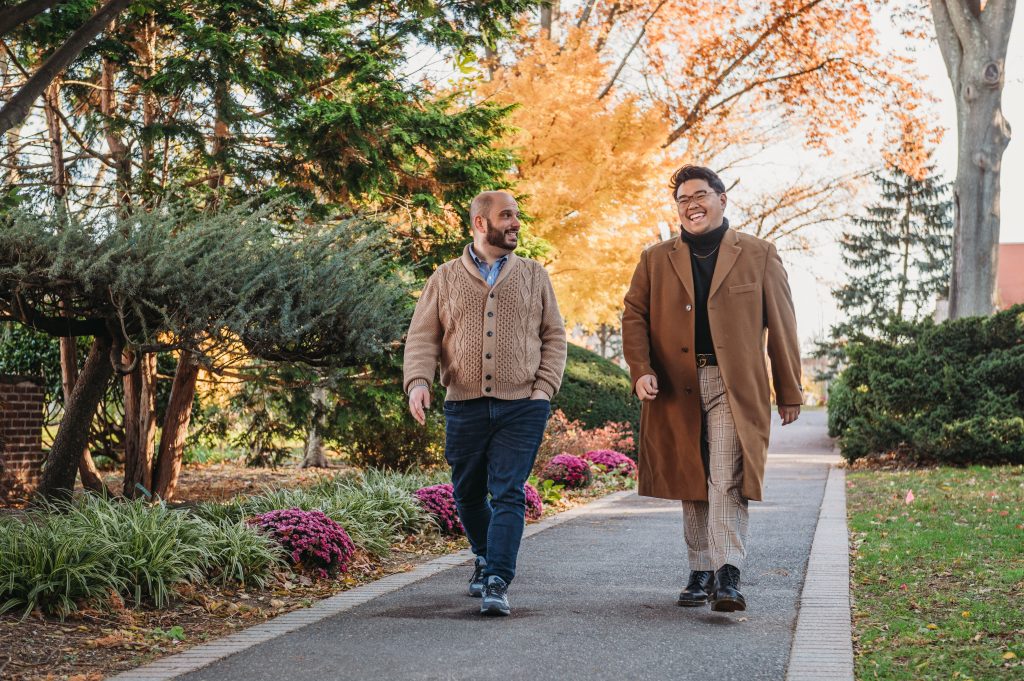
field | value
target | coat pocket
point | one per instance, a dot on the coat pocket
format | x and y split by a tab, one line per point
742	288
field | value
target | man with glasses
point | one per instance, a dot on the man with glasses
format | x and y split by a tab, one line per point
699	314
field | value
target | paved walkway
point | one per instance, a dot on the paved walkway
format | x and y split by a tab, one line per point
594	599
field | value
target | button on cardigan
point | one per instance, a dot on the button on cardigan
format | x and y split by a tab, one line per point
504	341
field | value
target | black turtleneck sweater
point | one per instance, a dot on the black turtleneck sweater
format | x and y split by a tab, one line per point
703	256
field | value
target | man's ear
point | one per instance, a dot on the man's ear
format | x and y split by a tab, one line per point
724	198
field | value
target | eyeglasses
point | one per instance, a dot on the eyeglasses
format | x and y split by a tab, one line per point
699	197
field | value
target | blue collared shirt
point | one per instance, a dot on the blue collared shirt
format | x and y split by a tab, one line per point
490	273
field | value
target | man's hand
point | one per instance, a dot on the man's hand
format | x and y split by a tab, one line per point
647	387
539	395
419	402
789	413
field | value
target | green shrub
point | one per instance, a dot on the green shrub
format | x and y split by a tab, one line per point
154	548
952	392
375	508
374	427
238	552
56	556
596	391
46	562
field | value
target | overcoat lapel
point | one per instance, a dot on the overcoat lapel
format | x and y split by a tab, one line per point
679	256
727	256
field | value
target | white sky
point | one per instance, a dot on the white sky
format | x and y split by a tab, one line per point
812	276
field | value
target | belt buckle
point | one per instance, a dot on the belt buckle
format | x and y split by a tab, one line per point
702	361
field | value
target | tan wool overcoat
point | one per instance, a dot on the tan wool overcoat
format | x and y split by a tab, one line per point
749	309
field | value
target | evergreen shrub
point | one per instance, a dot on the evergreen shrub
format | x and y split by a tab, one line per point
596	391
950	393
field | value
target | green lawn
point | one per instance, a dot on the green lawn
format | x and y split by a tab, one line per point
938	583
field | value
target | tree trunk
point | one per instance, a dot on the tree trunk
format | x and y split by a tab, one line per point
58	479
172	438
91	479
139	425
973	39
314	456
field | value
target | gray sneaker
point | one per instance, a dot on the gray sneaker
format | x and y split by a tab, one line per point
495	597
476	582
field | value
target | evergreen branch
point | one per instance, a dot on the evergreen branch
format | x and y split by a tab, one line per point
18	106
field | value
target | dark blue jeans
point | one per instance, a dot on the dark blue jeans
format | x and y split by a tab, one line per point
491	445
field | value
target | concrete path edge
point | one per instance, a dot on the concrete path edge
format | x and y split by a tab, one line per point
823	645
205	654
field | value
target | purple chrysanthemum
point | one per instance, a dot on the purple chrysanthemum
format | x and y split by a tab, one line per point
613	462
568	470
534	504
439	501
310	537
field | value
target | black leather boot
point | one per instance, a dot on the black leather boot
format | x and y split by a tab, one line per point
727	596
701	584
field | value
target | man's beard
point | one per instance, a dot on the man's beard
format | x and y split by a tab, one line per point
496	237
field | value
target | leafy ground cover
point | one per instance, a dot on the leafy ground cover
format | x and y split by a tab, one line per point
108	635
938	573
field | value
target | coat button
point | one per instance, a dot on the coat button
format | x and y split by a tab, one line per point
490	314
488	377
492	295
490	333
689	307
487	390
488	355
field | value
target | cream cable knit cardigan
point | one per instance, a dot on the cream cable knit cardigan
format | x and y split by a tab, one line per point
505	341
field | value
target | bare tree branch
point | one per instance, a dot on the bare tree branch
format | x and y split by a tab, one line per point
698	107
629	52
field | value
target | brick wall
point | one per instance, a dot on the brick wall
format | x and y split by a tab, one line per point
21	430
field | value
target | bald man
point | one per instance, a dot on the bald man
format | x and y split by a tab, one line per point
491	320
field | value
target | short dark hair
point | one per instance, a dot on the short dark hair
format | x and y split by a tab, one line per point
689	172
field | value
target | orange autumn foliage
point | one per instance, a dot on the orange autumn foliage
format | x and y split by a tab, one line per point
586	172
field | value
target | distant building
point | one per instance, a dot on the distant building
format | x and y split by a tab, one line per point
1010	276
1009	281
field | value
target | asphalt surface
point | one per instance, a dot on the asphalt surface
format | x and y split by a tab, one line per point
594	598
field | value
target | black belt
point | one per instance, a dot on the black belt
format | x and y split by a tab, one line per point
706	360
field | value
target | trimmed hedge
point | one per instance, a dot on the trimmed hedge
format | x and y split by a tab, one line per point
596	391
952	393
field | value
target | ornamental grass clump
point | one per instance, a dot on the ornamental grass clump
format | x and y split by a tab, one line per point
566	469
311	539
534	503
612	462
439	502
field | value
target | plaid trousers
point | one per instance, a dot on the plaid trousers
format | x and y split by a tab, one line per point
716	529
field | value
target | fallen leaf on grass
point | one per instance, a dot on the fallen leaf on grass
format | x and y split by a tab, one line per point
910	497
1009	655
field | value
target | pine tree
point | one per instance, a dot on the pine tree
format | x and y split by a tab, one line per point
898	258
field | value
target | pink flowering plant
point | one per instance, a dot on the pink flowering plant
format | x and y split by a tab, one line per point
311	539
566	469
612	462
534	503
439	502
